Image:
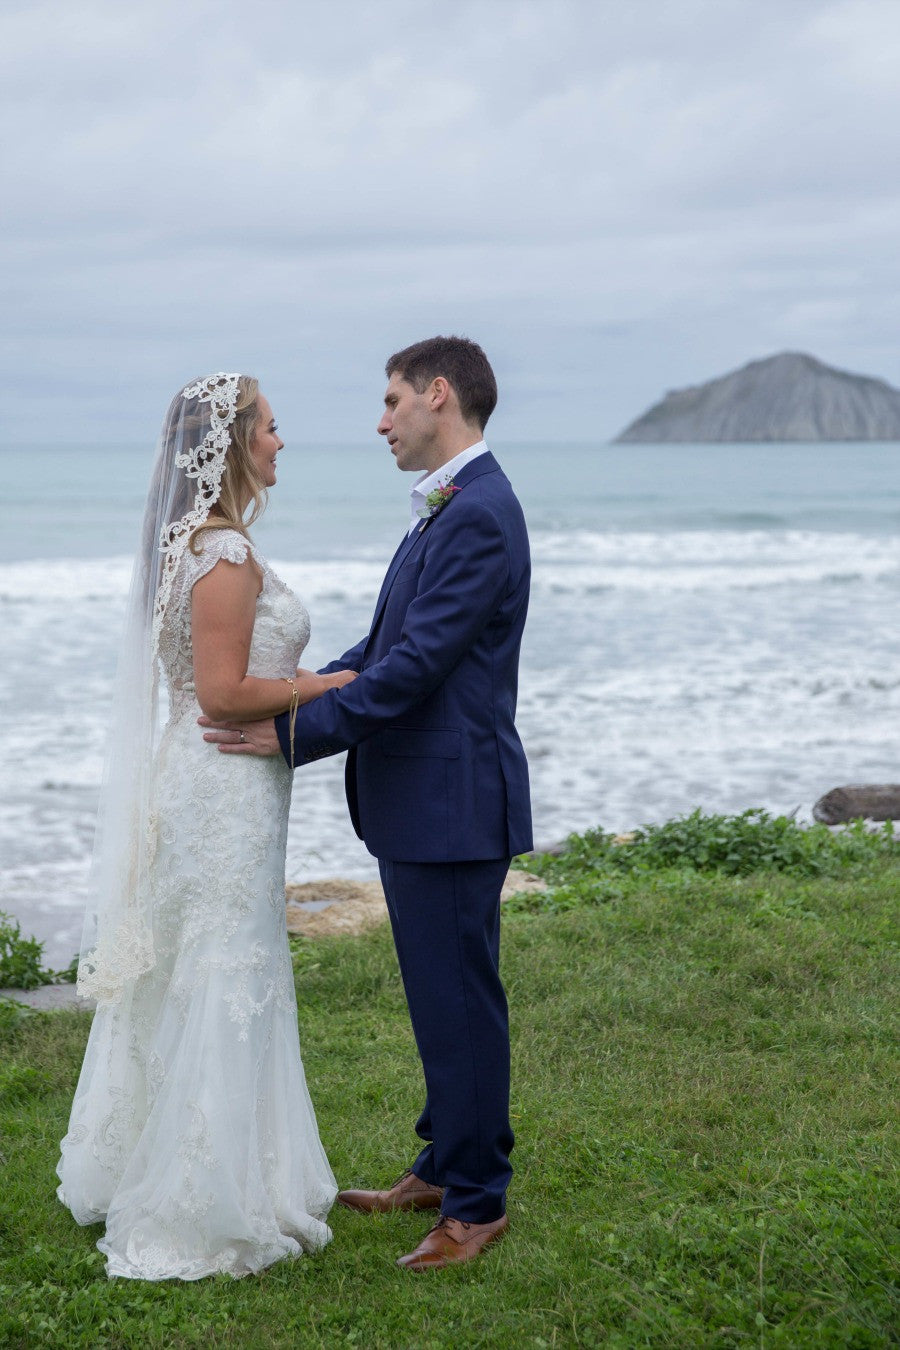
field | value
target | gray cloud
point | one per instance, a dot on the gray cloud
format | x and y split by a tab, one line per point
614	198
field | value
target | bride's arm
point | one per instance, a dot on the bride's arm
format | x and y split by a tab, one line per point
223	609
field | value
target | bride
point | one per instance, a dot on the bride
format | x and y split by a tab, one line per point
192	1133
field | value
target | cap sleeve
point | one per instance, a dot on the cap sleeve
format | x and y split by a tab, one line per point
214	546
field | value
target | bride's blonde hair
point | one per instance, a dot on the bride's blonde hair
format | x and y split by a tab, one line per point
242	486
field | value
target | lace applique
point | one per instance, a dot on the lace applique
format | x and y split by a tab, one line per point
205	463
113	1133
122	956
263	974
197	1155
156	1076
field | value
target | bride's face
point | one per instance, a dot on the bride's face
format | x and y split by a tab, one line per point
266	442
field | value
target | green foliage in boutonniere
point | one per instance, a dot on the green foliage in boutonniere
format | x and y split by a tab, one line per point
437	499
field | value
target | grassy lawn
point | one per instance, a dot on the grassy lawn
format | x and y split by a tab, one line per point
704	1100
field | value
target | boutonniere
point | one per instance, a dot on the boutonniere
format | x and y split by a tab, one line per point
436	500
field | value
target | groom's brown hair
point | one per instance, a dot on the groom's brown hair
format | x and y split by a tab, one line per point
461	362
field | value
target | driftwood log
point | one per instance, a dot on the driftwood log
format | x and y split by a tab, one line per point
871	801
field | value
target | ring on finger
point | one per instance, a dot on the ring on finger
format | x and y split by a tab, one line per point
243	739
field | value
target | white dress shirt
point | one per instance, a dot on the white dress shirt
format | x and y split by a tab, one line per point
429	481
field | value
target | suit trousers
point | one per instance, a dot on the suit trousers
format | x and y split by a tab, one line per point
446	923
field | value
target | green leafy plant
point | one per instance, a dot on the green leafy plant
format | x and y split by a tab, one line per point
738	845
598	867
753	842
20	960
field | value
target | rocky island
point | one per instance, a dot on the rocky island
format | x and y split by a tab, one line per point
788	397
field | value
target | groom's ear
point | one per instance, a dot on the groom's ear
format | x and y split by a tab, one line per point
438	393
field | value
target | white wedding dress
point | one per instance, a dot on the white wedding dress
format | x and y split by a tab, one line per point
192	1132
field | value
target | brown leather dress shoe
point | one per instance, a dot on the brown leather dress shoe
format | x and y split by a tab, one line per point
407	1192
453	1240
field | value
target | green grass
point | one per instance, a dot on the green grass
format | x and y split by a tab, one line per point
704	1100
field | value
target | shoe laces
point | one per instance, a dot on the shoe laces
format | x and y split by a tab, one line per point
410	1173
444	1220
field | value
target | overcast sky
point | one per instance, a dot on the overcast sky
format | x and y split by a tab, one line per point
615	197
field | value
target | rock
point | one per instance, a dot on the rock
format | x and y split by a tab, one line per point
320	908
518	883
562	848
788	397
551	850
869	801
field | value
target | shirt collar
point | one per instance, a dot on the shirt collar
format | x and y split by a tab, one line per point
429	481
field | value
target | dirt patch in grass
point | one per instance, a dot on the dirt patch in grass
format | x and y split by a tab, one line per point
320	908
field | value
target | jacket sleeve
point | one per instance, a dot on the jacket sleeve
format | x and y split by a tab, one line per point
464	578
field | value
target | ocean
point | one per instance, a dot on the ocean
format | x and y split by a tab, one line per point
710	626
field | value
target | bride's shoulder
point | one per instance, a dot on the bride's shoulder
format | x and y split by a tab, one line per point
211	546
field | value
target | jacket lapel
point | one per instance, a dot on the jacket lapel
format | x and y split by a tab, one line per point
482	464
395	565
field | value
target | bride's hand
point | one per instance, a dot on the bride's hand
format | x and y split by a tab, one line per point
310	685
242	738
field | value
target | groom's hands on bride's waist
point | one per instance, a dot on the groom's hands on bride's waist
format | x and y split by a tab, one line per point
260	738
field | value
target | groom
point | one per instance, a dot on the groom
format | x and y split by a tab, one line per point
437	782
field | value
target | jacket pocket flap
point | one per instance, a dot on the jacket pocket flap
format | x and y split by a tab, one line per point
420	742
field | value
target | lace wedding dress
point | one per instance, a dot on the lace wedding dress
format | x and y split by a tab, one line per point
192	1131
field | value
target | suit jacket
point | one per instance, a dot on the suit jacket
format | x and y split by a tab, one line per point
436	770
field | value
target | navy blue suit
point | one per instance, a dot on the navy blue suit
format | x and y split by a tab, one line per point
437	786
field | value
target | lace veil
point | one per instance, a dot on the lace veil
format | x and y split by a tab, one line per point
117	943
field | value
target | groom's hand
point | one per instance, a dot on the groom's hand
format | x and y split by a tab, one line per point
242	738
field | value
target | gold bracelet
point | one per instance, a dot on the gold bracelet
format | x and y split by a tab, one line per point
292	712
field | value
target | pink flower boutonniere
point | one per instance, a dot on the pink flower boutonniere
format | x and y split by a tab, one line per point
436	500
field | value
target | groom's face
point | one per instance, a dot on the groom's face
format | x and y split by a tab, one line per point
409	424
